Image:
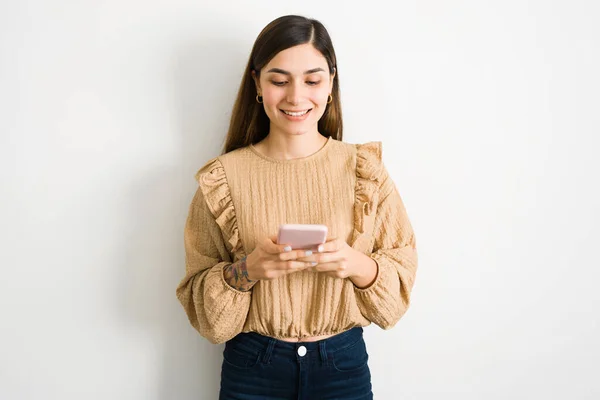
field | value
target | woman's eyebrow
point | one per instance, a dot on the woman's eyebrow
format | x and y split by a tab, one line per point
281	71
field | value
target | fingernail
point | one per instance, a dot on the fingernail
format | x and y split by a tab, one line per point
320	249
308	253
287	248
313	263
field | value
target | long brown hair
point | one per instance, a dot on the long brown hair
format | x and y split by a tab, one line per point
249	123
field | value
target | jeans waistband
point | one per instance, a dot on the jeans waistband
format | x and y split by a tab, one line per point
256	341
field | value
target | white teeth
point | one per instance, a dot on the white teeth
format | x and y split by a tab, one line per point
295	114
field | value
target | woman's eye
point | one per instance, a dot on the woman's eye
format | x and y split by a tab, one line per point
281	83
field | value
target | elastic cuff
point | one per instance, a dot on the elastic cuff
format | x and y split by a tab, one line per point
377	279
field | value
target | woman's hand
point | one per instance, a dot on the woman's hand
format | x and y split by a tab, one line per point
270	260
337	259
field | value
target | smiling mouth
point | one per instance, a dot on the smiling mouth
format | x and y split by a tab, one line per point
296	114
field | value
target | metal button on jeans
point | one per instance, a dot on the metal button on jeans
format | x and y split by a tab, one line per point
301	351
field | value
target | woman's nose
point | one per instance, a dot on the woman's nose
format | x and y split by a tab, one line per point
294	93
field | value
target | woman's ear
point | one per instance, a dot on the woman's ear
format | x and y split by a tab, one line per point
331	80
256	82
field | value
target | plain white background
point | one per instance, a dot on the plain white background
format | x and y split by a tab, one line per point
489	116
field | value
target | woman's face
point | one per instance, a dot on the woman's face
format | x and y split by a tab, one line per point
295	86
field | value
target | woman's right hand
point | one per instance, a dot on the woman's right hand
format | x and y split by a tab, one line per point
270	260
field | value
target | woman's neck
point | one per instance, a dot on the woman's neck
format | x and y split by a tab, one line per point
289	147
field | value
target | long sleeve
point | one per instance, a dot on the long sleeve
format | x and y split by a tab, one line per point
214	308
394	251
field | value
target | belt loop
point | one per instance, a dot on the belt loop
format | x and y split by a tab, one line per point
269	351
323	352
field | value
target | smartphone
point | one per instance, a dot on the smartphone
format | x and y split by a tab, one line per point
302	236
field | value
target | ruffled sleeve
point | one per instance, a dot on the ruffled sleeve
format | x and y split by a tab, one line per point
383	231
368	173
213	183
214	308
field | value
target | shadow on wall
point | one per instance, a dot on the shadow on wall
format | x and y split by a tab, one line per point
203	83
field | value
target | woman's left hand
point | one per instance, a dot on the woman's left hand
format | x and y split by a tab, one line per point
337	259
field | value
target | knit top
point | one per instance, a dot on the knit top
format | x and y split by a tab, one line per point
244	196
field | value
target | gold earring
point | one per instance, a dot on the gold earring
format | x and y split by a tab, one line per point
259	98
329	99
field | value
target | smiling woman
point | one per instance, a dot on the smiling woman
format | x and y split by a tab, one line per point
291	94
292	318
290	84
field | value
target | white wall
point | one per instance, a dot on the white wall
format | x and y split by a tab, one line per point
489	116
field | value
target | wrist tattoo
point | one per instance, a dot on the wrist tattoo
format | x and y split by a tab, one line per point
236	276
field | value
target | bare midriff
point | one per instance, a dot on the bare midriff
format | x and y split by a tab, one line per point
306	339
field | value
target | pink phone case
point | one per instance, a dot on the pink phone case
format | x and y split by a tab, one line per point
302	236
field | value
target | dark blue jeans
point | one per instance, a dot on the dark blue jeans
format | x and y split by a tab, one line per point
260	367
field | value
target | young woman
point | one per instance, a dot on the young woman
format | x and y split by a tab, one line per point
292	320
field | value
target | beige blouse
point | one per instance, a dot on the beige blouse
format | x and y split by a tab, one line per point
244	196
